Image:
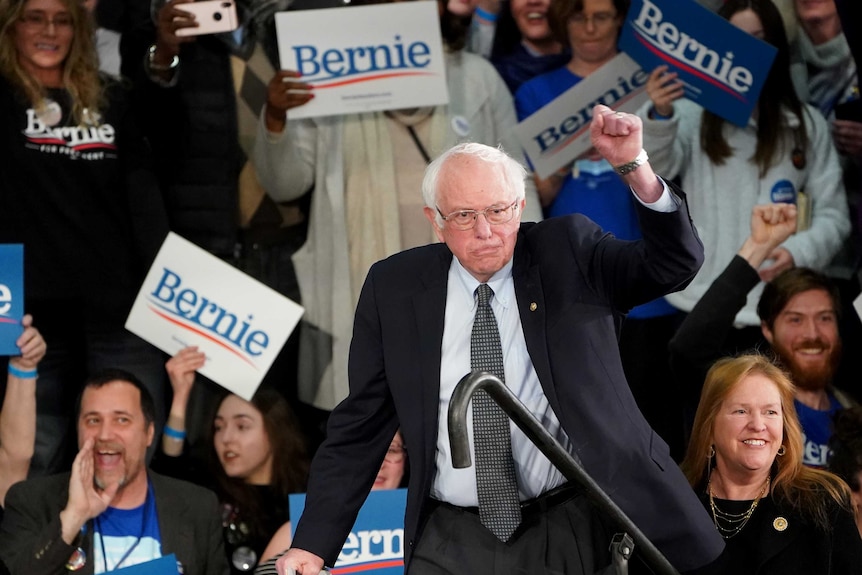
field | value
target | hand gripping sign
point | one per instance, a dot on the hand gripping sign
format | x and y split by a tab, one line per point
722	67
365	58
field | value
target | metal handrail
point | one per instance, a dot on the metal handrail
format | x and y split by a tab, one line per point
533	429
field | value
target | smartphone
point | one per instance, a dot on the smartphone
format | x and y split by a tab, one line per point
212	16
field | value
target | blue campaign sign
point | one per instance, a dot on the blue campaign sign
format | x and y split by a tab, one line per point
723	68
376	542
11	297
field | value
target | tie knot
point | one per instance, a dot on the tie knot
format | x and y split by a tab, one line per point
484	293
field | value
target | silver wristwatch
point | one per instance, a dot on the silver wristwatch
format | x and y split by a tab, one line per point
639	160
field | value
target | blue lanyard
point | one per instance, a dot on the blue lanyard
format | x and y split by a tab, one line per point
144	520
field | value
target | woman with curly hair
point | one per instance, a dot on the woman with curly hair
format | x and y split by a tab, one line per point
76	192
745	462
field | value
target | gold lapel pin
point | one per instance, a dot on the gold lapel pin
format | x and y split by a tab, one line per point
533	306
780	523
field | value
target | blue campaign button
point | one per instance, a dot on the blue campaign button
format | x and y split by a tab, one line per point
783	192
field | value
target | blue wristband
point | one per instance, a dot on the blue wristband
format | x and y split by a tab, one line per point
174	433
32	374
485	15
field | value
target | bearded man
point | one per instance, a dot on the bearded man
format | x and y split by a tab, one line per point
110	512
799	312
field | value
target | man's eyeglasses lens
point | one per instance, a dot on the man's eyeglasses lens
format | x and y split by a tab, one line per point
466	219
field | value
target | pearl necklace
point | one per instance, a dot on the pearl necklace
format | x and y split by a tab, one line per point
734	521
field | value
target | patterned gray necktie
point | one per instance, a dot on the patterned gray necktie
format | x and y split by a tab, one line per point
499	508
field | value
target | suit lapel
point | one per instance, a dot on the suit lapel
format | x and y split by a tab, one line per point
533	314
175	539
780	529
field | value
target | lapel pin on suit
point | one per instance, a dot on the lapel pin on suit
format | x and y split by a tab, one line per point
780	523
533	306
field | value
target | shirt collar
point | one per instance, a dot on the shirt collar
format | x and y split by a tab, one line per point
498	282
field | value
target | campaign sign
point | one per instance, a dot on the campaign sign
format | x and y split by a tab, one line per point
166	565
559	132
376	542
365	58
722	67
11	297
191	297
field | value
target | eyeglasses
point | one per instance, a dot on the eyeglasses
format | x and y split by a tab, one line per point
395	453
466	219
41	21
599	20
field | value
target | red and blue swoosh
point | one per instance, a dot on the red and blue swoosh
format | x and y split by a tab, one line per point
79	148
682	65
371	566
340	81
169	316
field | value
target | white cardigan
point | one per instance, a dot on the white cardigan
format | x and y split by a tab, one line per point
721	197
309	153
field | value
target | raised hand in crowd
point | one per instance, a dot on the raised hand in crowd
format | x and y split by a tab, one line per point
285	91
774	221
18	417
663	88
168	20
771	224
32	346
181	370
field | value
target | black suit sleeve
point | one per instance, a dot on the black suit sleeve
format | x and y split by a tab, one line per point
359	432
701	338
633	273
30	538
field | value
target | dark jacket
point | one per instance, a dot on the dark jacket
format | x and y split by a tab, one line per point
192	127
30	542
801	548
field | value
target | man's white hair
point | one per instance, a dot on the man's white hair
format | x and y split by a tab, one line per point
512	173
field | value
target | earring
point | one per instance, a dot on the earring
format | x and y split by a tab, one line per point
712	451
781	451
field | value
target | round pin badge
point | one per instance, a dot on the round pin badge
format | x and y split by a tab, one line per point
783	192
780	523
461	125
51	114
77	560
92	118
797	156
244	558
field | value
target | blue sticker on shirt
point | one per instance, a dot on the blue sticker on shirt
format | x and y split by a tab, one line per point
783	192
